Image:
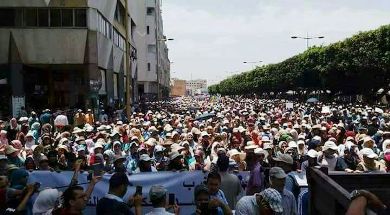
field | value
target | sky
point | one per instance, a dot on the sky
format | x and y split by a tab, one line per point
212	38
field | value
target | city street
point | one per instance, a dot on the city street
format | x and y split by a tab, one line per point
194	107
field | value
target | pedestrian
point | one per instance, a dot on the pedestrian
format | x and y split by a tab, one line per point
158	197
113	201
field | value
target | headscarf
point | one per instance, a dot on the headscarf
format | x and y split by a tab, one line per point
46	201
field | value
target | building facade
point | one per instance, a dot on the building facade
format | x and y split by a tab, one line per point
154	78
68	54
195	86
178	88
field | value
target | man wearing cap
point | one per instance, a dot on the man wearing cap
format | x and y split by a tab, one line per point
256	178
158	197
268	201
145	164
369	162
277	180
286	162
112	202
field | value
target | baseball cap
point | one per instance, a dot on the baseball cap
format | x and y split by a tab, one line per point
286	158
273	198
312	153
329	145
277	172
157	192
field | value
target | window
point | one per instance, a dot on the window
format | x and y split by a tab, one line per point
152	48
31	17
148	29
150	11
55	17
115	80
43	17
10	17
148	66
67	17
120	13
80	16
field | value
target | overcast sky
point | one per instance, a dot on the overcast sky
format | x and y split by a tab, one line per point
214	37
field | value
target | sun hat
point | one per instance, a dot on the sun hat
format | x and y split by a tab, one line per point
29	134
273	198
234	152
159	148
285	158
367	152
277	172
330	145
267	146
204	133
251	145
174	154
312	153
260	151
63	147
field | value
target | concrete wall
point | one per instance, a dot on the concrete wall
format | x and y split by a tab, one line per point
45	46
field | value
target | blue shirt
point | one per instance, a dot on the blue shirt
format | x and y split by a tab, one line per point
221	197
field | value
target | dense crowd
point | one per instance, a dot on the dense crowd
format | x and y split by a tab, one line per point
222	136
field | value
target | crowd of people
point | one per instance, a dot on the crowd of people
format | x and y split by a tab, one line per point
222	136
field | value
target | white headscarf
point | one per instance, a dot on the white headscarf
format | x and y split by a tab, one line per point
46	201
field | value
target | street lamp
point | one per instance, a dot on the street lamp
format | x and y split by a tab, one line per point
252	62
307	38
166	39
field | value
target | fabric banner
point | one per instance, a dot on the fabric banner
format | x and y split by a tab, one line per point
182	184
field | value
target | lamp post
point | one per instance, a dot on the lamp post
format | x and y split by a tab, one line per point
307	38
158	63
252	62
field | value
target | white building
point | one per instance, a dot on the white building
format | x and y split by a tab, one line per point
194	86
155	63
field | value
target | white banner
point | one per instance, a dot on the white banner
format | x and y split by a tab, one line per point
182	184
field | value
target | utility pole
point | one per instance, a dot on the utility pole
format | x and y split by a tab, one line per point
156	13
128	65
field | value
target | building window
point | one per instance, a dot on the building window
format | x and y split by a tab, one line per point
115	80
80	16
148	29
55	17
7	17
43	17
148	66
67	17
150	11
152	48
31	17
120	13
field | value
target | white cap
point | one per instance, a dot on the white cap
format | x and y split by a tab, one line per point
260	151
367	152
312	153
330	145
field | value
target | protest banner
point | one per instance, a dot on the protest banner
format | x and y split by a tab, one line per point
182	184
